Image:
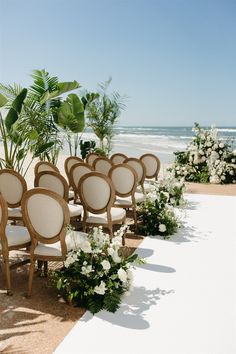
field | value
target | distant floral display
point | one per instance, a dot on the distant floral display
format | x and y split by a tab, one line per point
156	214
96	275
207	159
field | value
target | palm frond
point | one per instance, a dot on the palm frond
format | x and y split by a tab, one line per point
10	91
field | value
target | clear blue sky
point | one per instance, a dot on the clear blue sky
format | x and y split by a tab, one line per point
175	59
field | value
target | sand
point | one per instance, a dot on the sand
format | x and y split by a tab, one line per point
38	325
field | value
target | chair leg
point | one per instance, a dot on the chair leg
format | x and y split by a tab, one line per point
45	268
8	275
31	276
135	219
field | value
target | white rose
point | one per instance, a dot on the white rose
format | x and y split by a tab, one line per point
222	178
201	152
110	251
100	289
122	275
233	160
209	144
215	146
162	228
220	152
106	264
234	152
231	172
221	145
116	258
69	260
203	159
214	156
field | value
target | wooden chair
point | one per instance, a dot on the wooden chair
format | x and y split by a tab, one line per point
12	187
118	158
11	238
69	163
140	169
91	157
124	179
97	195
45	166
55	182
152	164
76	172
102	164
46	216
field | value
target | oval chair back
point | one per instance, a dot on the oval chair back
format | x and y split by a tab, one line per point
102	165
91	157
45	166
12	187
96	192
54	182
152	164
69	162
139	168
118	158
124	179
77	171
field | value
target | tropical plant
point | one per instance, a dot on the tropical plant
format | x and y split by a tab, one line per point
102	114
96	274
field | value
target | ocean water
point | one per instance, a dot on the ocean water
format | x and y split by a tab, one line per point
162	141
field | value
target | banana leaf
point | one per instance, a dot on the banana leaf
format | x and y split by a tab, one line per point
15	110
62	87
71	114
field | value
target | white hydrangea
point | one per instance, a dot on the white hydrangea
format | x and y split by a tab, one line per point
101	289
162	227
122	275
106	264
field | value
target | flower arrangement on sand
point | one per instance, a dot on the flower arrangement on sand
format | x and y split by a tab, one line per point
96	274
156	214
207	159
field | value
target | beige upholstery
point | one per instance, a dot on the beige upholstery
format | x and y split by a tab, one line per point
123	179
96	192
75	210
45	214
116	214
16	236
51	183
152	165
11	188
78	170
91	157
102	165
54	250
45	166
118	158
139	197
138	169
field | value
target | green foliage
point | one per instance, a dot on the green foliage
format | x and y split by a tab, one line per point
103	113
14	111
86	147
71	114
3	100
207	159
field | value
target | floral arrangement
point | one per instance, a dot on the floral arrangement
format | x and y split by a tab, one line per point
96	275
207	159
156	214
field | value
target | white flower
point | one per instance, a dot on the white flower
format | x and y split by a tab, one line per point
215	146
220	152
85	247
110	251
116	258
214	156
86	270
122	275
233	160
101	288
106	264
201	152
162	228
130	275
222	178
209	144
69	260
231	172
234	152
221	145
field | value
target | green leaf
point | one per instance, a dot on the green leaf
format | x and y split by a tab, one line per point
3	100
44	147
62	87
15	110
33	135
71	114
20	154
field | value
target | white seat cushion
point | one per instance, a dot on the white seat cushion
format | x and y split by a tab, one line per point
75	210
15	212
139	197
148	187
54	250
71	194
16	235
116	214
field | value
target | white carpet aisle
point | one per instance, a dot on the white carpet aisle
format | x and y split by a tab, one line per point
184	298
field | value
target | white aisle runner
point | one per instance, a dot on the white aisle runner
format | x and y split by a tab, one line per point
184	298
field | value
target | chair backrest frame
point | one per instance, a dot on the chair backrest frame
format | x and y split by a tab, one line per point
3	223
56	175
35	236
74	185
118	154
51	167
83	199
158	162
67	168
22	182
104	160
91	157
138	161
134	175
